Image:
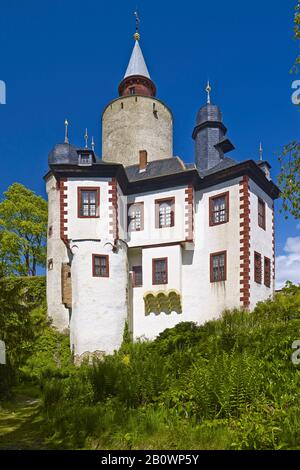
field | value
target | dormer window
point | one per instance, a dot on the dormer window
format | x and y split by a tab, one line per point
85	159
132	90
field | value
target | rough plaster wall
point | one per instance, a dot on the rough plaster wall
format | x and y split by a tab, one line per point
99	304
127	130
152	235
57	251
149	326
261	241
189	270
87	228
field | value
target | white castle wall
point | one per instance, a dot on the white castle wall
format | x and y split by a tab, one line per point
261	241
102	305
57	251
87	228
189	270
99	304
152	235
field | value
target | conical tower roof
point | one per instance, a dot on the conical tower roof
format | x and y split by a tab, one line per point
137	79
137	64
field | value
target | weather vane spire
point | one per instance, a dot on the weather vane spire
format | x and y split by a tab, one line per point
137	20
208	91
260	152
86	137
93	143
66	131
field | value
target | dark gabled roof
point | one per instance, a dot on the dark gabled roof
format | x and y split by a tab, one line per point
168	166
224	163
168	173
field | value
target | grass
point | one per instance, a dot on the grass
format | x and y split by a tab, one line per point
22	426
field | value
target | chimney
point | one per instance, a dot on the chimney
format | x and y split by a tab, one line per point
143	160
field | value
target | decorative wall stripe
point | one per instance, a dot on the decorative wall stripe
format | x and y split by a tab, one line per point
113	208
189	214
245	242
63	199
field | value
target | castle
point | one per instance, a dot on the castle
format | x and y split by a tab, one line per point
141	237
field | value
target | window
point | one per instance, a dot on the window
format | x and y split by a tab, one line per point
88	202
85	159
160	271
100	266
257	268
137	277
50	264
132	90
164	212
267	272
50	231
218	267
219	209
136	217
261	214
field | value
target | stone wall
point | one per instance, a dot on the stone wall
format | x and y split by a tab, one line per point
134	123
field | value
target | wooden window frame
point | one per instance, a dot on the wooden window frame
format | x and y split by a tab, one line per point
257	275
153	271
79	205
262	225
267	273
211	209
98	255
157	218
142	217
134	284
212	256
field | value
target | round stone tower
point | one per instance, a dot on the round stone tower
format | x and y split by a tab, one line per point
136	120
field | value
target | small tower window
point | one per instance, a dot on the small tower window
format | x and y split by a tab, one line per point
100	266
50	264
50	231
132	90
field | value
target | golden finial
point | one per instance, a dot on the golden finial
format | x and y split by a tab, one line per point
66	132
137	20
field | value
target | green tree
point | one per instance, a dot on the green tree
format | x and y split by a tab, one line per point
23	231
289	177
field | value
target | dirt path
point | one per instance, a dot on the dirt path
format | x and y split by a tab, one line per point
21	423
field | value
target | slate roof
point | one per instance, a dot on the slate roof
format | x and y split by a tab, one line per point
156	168
171	166
224	163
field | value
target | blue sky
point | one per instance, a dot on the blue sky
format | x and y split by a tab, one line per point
66	58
